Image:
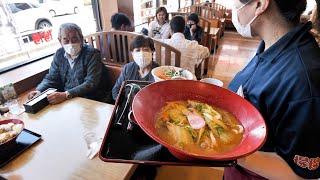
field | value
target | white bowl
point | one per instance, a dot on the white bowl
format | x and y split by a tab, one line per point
156	72
213	81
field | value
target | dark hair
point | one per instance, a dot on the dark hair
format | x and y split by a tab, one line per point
119	19
142	41
291	10
70	27
163	9
194	17
316	20
177	24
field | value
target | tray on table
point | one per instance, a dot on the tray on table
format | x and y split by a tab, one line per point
24	140
134	146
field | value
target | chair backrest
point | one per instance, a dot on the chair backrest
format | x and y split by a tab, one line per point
165	53
185	9
183	14
113	45
203	11
215	23
206	25
207	12
108	44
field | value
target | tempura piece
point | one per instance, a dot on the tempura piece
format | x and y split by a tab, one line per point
9	131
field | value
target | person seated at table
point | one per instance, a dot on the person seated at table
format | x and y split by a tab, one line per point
76	69
193	31
191	52
141	48
119	22
159	28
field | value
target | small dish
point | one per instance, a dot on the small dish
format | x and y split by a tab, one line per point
213	81
14	131
158	71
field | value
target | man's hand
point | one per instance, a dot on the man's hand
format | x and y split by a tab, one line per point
56	97
193	29
33	94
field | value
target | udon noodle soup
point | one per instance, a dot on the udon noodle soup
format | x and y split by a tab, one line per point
198	127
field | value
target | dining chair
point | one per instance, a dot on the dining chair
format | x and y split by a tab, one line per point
113	45
166	54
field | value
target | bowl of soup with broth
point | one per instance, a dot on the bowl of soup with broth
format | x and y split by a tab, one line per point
199	121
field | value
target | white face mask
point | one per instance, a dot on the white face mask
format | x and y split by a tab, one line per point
142	58
244	30
72	49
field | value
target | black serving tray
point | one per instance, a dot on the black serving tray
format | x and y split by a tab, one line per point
134	146
24	140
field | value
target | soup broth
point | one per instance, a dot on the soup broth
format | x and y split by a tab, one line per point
198	127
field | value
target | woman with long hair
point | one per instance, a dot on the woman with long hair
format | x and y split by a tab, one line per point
160	28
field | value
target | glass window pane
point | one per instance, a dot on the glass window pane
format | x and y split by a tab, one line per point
28	31
16	7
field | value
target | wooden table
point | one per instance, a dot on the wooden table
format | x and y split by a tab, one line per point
61	154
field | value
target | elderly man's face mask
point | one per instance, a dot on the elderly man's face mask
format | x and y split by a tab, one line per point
71	42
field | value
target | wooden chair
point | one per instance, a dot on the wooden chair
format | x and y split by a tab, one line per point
186	9
203	11
222	17
207	12
118	54
113	45
229	24
166	54
115	49
114	72
200	70
206	25
221	13
215	31
183	14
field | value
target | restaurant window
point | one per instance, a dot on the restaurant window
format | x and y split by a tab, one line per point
29	28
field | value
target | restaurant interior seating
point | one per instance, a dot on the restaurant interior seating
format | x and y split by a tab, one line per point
122	50
107	43
113	45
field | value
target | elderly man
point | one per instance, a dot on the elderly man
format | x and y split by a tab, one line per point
76	70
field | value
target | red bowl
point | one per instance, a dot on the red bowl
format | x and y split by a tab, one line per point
149	101
14	121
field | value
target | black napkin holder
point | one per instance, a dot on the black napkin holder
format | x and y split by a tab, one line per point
38	102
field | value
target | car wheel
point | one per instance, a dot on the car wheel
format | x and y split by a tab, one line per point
53	13
76	10
44	24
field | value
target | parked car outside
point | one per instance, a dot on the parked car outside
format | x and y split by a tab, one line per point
27	16
61	7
